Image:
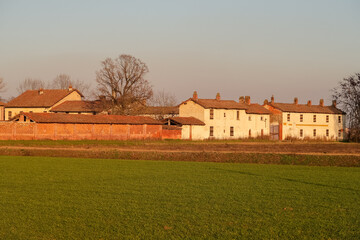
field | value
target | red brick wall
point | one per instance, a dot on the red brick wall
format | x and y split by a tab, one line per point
57	131
171	132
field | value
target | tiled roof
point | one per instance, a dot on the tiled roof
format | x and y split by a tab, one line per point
89	119
257	109
2	104
32	98
78	106
186	120
304	108
219	104
161	110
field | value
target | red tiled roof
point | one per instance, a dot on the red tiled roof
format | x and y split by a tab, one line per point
89	119
257	109
186	120
219	104
77	106
2	104
161	110
32	98
304	108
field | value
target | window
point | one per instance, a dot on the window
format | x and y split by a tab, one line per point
327	118
261	118
249	132
211	113
314	118
327	132
262	132
339	119
211	131
238	115
301	118
231	131
9	114
288	117
249	118
301	133
339	133
224	114
314	132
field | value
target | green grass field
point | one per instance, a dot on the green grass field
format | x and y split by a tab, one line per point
63	198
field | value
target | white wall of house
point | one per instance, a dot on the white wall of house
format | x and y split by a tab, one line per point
313	125
197	132
191	109
258	124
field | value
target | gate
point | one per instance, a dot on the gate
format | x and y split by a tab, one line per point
274	132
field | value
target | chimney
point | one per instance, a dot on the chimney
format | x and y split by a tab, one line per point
309	103
218	96
272	99
247	100
296	101
266	102
195	96
70	88
41	91
321	102
334	103
241	99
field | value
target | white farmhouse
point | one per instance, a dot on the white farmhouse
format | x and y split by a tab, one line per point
306	121
226	119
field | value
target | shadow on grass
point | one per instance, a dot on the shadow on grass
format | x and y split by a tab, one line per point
287	179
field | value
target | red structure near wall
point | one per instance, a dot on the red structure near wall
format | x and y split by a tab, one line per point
40	126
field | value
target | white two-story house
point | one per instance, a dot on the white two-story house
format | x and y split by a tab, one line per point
226	119
307	121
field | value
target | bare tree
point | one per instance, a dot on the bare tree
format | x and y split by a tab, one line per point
2	84
163	99
121	81
30	84
347	94
63	81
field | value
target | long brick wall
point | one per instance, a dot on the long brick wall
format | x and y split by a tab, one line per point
60	131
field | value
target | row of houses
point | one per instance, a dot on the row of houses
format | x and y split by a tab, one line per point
193	119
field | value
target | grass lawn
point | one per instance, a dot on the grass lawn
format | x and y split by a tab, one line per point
63	198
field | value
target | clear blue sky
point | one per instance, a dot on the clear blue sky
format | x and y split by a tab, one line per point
283	47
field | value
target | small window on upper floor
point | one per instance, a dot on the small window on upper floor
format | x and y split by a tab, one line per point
211	113
231	131
237	115
288	117
314	118
339	119
301	118
249	118
261	118
224	114
9	114
327	118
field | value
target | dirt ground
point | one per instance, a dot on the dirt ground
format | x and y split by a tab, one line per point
231	147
